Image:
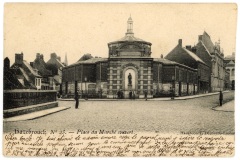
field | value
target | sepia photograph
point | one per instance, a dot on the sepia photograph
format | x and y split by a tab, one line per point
119	79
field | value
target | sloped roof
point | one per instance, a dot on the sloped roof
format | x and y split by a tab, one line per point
194	56
40	65
31	69
164	61
59	63
206	40
55	61
11	81
168	62
26	77
205	47
86	57
24	74
90	61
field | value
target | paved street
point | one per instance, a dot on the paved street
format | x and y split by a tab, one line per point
227	107
193	115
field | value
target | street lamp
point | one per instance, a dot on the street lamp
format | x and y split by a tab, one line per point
85	79
173	87
101	90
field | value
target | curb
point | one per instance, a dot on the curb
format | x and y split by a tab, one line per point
216	108
35	115
152	99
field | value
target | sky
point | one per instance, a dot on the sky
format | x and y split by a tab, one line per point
74	29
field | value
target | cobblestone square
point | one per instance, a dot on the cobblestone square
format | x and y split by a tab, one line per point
177	116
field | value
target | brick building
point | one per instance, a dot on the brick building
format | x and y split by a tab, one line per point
184	55
55	65
10	79
129	68
25	73
47	81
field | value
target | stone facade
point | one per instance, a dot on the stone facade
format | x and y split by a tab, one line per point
130	55
108	77
213	56
229	62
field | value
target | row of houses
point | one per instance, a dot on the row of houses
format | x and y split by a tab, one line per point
37	75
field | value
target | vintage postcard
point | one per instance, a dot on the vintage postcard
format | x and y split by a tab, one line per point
119	80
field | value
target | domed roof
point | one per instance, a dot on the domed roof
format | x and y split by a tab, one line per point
85	57
129	37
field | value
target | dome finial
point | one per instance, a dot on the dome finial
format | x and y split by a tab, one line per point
130	26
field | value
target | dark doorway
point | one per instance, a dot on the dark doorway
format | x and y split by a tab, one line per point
66	88
233	84
180	88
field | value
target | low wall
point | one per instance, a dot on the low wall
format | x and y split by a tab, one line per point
28	109
21	98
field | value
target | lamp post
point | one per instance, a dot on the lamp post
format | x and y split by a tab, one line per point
173	87
101	90
85	79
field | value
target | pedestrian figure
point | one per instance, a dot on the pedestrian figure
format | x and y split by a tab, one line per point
145	95
130	94
133	95
220	98
121	94
77	100
58	95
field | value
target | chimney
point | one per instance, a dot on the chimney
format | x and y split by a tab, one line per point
194	49
189	47
38	56
6	63
19	58
41	57
31	64
180	42
53	55
161	55
200	38
59	58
